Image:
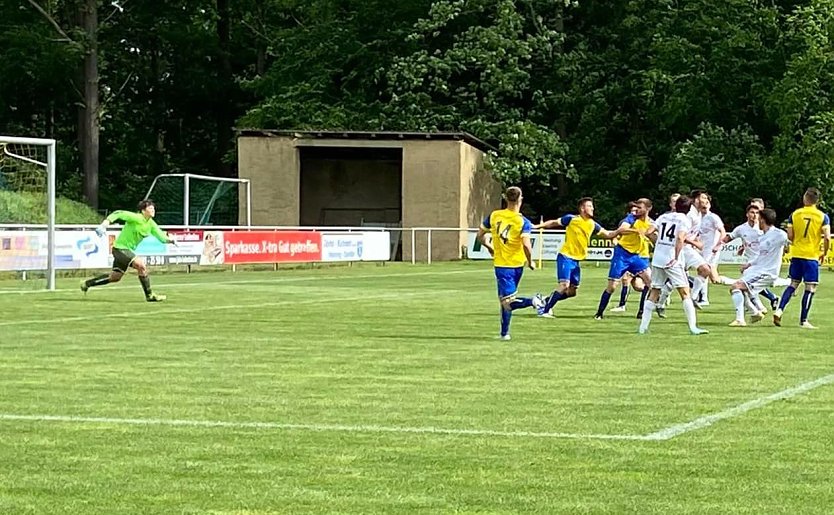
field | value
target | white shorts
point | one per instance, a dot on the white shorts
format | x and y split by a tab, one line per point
757	280
692	258
676	275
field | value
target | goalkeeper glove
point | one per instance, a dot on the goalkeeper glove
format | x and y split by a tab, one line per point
100	230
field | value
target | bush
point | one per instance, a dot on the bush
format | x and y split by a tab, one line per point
30	208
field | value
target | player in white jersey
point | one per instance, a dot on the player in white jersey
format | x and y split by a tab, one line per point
671	231
711	233
691	254
763	270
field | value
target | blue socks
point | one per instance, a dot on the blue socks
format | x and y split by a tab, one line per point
555	297
505	321
643	295
807	298
624	295
603	302
768	295
786	297
521	303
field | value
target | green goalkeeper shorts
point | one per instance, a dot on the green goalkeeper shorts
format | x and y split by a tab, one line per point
122	259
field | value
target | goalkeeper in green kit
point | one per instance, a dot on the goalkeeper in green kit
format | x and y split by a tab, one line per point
136	227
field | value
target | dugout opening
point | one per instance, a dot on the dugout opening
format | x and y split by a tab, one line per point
352	187
405	180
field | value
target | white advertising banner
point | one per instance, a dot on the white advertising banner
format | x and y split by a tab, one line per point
356	246
27	250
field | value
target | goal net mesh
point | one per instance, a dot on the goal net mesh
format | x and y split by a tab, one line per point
23	191
209	201
23	200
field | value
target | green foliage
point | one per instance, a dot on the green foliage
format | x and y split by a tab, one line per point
30	208
476	66
607	99
728	164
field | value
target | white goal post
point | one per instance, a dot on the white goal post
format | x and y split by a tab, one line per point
15	155
200	195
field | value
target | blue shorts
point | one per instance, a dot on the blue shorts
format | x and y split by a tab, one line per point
807	270
567	270
508	280
624	261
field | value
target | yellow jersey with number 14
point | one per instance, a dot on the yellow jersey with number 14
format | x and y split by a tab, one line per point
807	223
507	227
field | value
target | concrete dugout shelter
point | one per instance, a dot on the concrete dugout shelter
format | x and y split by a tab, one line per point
370	178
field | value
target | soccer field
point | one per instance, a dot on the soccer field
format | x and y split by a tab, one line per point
376	389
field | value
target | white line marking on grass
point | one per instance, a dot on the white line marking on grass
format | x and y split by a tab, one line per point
234	282
670	432
311	427
162	312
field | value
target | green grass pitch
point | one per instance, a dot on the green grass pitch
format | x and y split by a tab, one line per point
373	389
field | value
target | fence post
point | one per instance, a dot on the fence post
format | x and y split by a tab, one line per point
413	247
428	251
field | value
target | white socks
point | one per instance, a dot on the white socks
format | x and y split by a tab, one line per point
689	309
700	285
738	302
648	309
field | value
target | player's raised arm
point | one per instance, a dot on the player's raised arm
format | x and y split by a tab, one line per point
161	235
722	234
125	216
527	243
627	226
605	233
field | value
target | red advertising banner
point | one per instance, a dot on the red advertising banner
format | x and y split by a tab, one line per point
271	247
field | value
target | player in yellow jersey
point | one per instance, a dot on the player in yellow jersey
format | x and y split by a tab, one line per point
511	250
627	256
808	226
578	231
628	281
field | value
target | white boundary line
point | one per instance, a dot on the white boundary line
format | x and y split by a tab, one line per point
312	427
706	421
162	312
235	282
664	434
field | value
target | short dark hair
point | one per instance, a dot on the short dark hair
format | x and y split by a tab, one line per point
682	204
512	194
768	215
757	200
813	195
583	200
752	206
144	204
695	194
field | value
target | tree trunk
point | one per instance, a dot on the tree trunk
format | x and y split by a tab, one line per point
88	127
562	184
224	109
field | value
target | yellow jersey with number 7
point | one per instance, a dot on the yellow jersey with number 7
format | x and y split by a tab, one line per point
506	227
807	223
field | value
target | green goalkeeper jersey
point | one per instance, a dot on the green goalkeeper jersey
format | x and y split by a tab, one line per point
136	228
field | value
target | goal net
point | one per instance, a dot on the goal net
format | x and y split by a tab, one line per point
27	212
196	200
